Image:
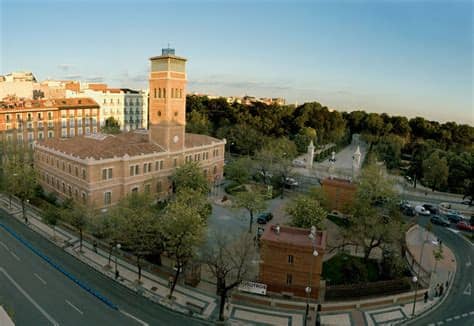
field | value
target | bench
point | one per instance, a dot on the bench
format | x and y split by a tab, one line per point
194	308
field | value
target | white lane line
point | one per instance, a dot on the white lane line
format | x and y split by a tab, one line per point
456	317
76	308
4	246
134	318
16	257
39	278
464	315
27	296
449	319
471	313
439	323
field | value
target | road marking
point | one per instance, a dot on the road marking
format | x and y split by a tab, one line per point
471	313
467	291
76	308
469	261
449	319
454	231
4	246
457	317
134	318
39	278
464	315
16	257
26	295
439	323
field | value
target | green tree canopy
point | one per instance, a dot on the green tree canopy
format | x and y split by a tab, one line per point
435	170
305	211
190	175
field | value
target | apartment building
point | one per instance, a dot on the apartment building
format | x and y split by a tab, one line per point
128	107
101	169
25	121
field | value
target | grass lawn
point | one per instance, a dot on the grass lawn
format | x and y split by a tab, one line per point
345	269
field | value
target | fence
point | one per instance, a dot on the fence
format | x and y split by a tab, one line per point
351	291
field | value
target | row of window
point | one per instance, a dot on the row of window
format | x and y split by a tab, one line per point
147	167
66	167
146	189
72	122
161	93
78	113
129	102
65	188
71	133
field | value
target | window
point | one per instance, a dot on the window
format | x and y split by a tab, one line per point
50	134
215	169
159	186
164	92
107	197
147	188
289	279
134	190
155	92
106	173
84	174
149	167
132	170
76	171
64	166
84	197
7	118
145	165
290	259
69	168
71	132
64	133
161	165
79	131
181	93
175	162
159	92
50	115
69	191
137	169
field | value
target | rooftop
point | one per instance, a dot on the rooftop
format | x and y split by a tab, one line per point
102	146
21	104
293	236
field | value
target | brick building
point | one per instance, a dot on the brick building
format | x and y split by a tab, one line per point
288	264
24	121
101	169
340	193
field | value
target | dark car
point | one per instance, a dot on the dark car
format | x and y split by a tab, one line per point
440	220
454	218
432	208
409	211
264	218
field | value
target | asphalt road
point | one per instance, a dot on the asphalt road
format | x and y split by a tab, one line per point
458	307
38	294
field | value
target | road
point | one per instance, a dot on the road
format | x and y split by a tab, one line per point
38	294
458	307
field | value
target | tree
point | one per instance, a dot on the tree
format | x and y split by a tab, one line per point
79	217
138	226
190	175
230	261
107	228
111	126
303	138
51	217
253	201
239	170
21	179
198	123
305	211
435	171
182	229
376	221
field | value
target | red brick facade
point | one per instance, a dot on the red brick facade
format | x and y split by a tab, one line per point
287	260
339	193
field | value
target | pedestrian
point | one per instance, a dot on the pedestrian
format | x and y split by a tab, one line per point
116	274
447	283
170	281
425	297
441	288
95	246
440	243
437	290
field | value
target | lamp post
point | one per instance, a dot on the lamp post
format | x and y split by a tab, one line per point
118	246
415	281
312	237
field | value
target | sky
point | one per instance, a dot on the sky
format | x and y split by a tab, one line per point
412	58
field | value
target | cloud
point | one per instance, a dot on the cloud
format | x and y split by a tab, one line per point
95	79
65	66
72	76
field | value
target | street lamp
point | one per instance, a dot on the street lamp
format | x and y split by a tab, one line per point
312	237
415	281
118	246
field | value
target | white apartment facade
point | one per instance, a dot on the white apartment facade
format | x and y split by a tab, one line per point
128	107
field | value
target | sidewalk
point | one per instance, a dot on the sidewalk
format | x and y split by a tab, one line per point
243	309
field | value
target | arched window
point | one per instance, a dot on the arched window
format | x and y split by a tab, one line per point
155	92
159	92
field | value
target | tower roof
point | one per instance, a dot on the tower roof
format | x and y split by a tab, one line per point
168	53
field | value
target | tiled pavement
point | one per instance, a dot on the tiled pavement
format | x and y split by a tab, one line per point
156	288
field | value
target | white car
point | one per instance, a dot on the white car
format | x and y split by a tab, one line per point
299	163
291	182
420	210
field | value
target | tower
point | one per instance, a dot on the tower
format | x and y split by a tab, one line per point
167	108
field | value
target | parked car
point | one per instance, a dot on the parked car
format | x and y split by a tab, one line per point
420	210
464	225
440	220
454	217
409	211
291	182
299	163
263	218
432	208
